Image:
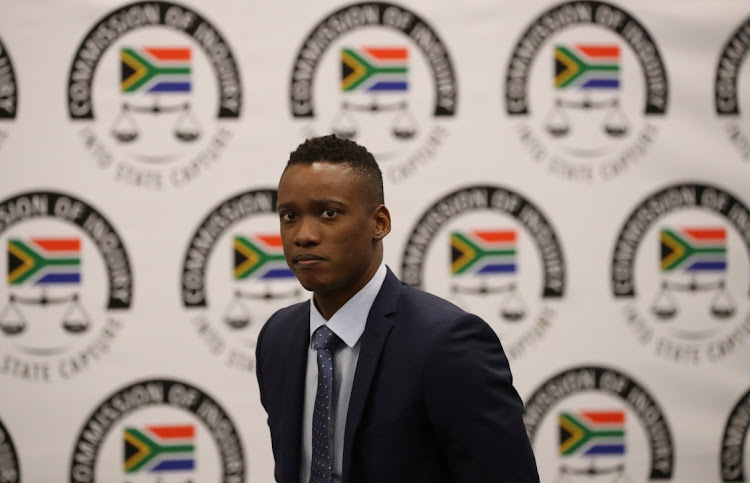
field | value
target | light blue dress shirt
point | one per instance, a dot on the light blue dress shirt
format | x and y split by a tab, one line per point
348	323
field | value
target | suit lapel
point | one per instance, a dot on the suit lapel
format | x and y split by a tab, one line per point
295	396
373	339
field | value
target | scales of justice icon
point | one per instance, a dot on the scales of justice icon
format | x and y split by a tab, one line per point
238	314
125	128
403	127
665	306
568	474
74	320
512	307
614	125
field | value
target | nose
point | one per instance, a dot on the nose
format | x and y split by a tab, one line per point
307	233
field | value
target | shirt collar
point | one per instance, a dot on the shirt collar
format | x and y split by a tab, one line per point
349	321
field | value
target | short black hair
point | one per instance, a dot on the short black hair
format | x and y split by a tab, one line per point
333	149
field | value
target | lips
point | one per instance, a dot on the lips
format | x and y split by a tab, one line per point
305	259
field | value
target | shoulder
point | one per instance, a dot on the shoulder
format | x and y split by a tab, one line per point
414	297
281	323
434	311
436	322
456	345
289	313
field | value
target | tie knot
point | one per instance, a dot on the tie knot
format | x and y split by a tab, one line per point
324	338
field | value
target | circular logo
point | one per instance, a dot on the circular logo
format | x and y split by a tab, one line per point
680	270
67	283
231	295
10	471
158	428
493	253
593	423
585	86
733	442
727	100
164	83
8	92
379	74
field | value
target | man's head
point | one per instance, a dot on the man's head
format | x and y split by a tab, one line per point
332	217
336	150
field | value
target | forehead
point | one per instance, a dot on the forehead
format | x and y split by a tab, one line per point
321	179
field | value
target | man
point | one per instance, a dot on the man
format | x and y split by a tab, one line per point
373	380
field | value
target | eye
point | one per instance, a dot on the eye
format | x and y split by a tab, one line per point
329	213
288	216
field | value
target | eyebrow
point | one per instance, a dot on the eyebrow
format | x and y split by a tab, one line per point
320	202
328	201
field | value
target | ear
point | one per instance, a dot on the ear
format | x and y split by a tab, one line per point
382	218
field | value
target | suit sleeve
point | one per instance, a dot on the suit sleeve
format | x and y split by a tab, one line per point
258	363
259	358
473	407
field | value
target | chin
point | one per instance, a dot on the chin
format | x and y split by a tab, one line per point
310	284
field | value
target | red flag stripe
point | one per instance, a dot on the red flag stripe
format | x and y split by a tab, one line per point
173	431
497	236
383	53
706	233
163	53
604	417
600	50
59	244
271	240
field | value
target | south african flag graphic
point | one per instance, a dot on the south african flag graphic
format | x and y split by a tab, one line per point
44	261
157	449
587	66
483	252
592	433
260	257
693	249
155	70
374	69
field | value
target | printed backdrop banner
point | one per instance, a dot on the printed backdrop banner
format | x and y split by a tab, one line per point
574	172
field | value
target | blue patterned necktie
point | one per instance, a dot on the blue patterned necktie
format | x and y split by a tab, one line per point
321	468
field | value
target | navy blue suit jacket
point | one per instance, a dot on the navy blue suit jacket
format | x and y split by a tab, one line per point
432	399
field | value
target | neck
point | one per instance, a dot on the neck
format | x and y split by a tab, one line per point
325	306
329	303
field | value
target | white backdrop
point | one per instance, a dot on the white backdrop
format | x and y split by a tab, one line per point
603	146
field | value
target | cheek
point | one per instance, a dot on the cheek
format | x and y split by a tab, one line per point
286	245
356	242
